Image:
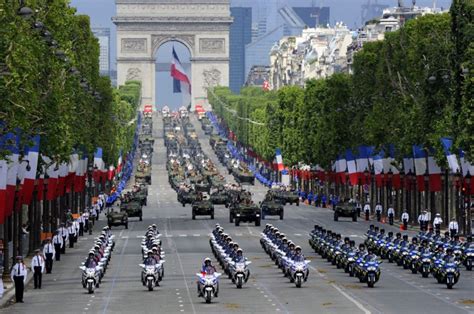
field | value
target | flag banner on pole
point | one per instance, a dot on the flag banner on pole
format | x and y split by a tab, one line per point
352	168
3	189
178	74
419	155
29	167
466	168
279	160
396	180
12	143
72	167
450	156
379	168
434	172
98	164
341	168
52	171
62	177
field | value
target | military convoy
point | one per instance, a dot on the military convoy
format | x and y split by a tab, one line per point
202	206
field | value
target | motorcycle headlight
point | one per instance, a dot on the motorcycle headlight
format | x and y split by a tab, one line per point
371	268
450	270
426	260
470	254
350	259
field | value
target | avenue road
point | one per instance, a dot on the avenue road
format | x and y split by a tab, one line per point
186	244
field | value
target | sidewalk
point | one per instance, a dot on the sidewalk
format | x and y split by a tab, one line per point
69	261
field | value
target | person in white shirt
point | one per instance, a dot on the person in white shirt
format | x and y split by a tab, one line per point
72	234
64	232
378	211
405	217
18	276
86	220
391	215
367	211
37	265
49	252
423	220
75	224
58	245
80	220
453	227
437	221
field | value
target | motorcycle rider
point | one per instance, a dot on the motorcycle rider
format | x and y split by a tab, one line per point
468	242
361	252
90	261
239	256
449	257
369	256
414	244
208	269
150	259
446	237
299	257
424	248
389	236
371	230
291	250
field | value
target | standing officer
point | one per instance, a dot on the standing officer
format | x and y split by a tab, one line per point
37	265
72	234
405	218
453	227
367	211
81	224
58	245
18	275
378	211
391	214
63	231
437	222
49	252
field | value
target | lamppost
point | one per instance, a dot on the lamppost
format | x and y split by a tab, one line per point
426	178
467	203
411	186
458	185
403	192
389	187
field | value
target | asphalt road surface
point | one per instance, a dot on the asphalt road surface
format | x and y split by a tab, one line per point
186	244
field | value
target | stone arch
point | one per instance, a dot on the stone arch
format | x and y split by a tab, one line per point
159	40
202	26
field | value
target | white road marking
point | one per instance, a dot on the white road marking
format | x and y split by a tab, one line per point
297	234
124	237
196	235
183	235
238	234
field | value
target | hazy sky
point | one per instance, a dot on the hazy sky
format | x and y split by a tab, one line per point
101	11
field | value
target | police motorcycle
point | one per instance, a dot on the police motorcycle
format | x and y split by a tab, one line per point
240	272
208	283
299	269
152	270
446	268
91	275
230	257
368	269
349	259
468	255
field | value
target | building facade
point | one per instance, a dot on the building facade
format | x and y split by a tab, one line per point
103	36
316	53
240	34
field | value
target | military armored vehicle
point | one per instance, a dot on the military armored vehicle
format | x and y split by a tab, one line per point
117	219
345	210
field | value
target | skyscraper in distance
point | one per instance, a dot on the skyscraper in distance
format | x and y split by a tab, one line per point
103	35
240	35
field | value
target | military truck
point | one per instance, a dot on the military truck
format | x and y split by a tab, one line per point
219	197
186	197
244	212
345	210
286	197
202	207
271	207
133	208
117	219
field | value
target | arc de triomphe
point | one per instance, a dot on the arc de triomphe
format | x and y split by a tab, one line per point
201	25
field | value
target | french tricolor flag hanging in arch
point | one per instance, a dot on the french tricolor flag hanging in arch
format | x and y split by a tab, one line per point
178	74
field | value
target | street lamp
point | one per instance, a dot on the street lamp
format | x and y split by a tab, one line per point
389	183
426	178
467	203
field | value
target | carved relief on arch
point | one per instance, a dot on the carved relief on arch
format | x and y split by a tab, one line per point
158	40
